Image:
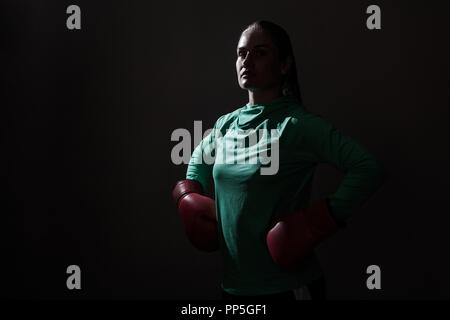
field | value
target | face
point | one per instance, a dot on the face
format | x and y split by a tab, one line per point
258	67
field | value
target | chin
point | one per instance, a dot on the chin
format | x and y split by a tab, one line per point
248	85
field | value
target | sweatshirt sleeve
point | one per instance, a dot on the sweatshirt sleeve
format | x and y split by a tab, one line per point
202	159
321	142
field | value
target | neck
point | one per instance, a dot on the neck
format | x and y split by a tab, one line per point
262	96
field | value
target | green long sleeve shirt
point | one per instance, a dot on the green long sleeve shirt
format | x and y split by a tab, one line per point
262	158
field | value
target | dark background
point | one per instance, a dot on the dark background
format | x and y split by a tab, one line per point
87	115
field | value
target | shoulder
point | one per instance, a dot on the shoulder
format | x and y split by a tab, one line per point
305	122
303	113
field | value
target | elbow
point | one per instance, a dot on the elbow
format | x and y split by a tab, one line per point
375	172
382	174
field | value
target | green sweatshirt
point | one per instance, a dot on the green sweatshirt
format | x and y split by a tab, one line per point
249	198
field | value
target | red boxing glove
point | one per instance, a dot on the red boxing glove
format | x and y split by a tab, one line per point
293	237
198	214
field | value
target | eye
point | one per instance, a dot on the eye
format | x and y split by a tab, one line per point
241	54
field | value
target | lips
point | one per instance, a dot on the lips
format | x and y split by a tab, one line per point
246	73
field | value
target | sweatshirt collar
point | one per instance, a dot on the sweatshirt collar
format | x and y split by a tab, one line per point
251	116
267	103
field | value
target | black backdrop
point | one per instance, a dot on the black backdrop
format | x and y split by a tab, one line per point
87	116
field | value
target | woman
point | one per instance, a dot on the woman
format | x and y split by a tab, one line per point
262	223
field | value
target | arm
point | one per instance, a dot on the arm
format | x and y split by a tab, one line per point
294	236
197	211
198	168
363	174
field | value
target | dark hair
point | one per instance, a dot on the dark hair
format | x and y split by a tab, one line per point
283	43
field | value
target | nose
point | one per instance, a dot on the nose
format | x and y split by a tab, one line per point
246	61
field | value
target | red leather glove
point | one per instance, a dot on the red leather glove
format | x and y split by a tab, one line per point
293	237
198	214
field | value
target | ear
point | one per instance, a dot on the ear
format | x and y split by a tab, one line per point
286	65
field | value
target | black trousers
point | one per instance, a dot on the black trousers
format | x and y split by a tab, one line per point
317	291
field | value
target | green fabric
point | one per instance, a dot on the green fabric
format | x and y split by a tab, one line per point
246	200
